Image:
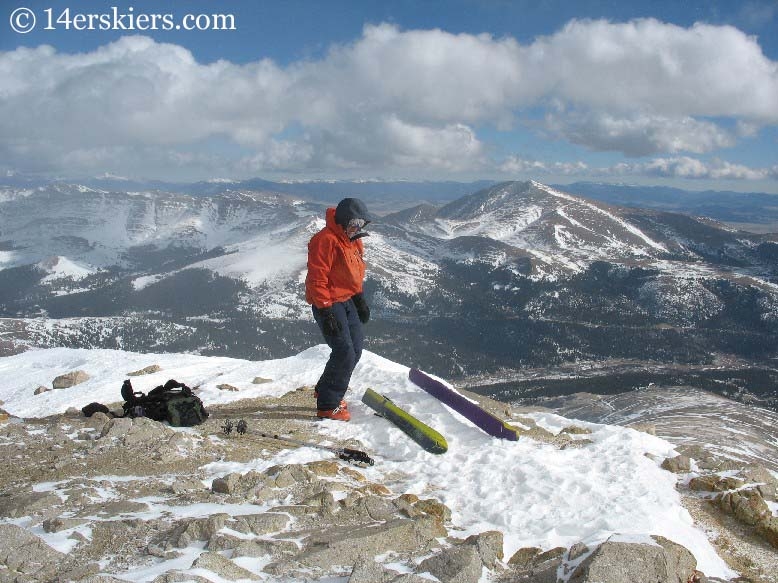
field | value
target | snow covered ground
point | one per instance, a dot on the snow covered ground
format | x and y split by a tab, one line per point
536	494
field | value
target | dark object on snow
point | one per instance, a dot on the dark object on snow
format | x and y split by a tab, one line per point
93	408
227	427
173	402
241	427
350	455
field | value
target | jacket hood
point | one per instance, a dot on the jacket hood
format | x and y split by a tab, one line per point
351	208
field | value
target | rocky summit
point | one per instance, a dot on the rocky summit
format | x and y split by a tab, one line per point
102	500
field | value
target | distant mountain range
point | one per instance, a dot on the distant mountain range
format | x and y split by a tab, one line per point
754	210
508	277
748	210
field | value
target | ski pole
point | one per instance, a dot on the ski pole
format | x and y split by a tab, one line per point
344	453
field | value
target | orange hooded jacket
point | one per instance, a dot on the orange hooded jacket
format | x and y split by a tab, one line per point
336	267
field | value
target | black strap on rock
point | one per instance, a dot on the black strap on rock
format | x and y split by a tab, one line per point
350	455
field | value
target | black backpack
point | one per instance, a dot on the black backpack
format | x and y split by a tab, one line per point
173	402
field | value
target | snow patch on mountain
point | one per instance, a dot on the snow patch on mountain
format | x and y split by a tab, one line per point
60	267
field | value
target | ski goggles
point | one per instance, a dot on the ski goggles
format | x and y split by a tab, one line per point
357	224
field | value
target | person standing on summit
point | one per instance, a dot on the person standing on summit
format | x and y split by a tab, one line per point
333	287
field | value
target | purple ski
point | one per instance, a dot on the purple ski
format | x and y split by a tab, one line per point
483	419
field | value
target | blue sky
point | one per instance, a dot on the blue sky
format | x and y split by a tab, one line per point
678	93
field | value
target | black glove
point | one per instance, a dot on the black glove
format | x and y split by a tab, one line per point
329	323
362	308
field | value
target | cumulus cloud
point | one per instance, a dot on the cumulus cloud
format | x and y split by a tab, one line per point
517	165
683	167
639	135
392	99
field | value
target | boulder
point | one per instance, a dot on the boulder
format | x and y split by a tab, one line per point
714	483
459	564
151	369
59	524
747	506
265	523
345	545
489	545
768	529
116	428
248	485
70	379
223	567
28	503
276	549
627	562
766	483
524	557
41	389
678	465
226	387
24	553
198	529
261	381
179	577
532	565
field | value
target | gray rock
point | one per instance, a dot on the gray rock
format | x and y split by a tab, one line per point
747	506
226	484
226	387
198	529
223	567
767	484
28	503
70	379
678	465
117	508
262	548
290	475
577	551
145	431
459	564
151	369
185	484
116	428
489	546
23	552
378	508
344	546
41	389
98	421
265	523
60	524
524	557
368	571
768	529
621	562
246	485
261	381
179	577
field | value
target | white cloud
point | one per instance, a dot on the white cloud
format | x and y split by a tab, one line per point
684	167
639	135
516	165
391	99
675	167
